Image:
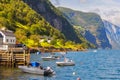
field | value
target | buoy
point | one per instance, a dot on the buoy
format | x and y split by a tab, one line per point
78	79
74	73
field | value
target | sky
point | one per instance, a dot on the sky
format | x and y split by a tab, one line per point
107	9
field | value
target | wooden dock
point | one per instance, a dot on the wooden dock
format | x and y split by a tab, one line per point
14	57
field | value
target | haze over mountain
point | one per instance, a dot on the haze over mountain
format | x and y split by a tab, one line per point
112	15
108	9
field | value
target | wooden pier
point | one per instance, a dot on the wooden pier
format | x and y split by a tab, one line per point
14	57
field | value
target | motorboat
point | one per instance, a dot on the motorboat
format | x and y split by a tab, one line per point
37	70
52	57
66	62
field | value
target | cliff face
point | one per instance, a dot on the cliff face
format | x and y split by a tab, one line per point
103	41
113	34
90	37
94	30
54	17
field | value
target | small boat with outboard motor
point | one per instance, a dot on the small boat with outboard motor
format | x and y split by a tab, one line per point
66	62
35	68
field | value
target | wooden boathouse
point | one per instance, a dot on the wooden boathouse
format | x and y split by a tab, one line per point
10	55
14	57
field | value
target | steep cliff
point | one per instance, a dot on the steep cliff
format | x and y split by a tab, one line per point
113	34
54	17
94	30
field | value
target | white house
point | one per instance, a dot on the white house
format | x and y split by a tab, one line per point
45	38
7	38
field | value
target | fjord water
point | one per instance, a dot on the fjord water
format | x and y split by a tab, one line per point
89	65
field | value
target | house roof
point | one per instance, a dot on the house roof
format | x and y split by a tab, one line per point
8	33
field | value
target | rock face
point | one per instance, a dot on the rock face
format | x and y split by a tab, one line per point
94	29
102	37
90	37
54	17
113	34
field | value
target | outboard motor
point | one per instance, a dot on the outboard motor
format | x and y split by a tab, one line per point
48	71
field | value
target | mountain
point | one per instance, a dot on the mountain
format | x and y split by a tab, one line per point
113	34
54	17
92	26
26	23
33	20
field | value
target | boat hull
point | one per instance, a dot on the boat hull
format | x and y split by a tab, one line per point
35	70
49	58
65	63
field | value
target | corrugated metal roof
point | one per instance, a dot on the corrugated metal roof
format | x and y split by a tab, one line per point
8	33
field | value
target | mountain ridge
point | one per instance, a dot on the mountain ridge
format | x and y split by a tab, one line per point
92	24
30	25
48	11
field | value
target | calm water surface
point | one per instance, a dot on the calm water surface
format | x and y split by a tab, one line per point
89	65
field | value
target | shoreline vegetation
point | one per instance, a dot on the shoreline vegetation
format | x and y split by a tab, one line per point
45	50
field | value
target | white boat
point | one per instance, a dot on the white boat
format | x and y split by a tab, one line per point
63	53
37	70
95	51
52	57
66	62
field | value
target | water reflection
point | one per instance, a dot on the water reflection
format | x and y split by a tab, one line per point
8	73
16	74
35	77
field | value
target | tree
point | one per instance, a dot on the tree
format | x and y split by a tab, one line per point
21	35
